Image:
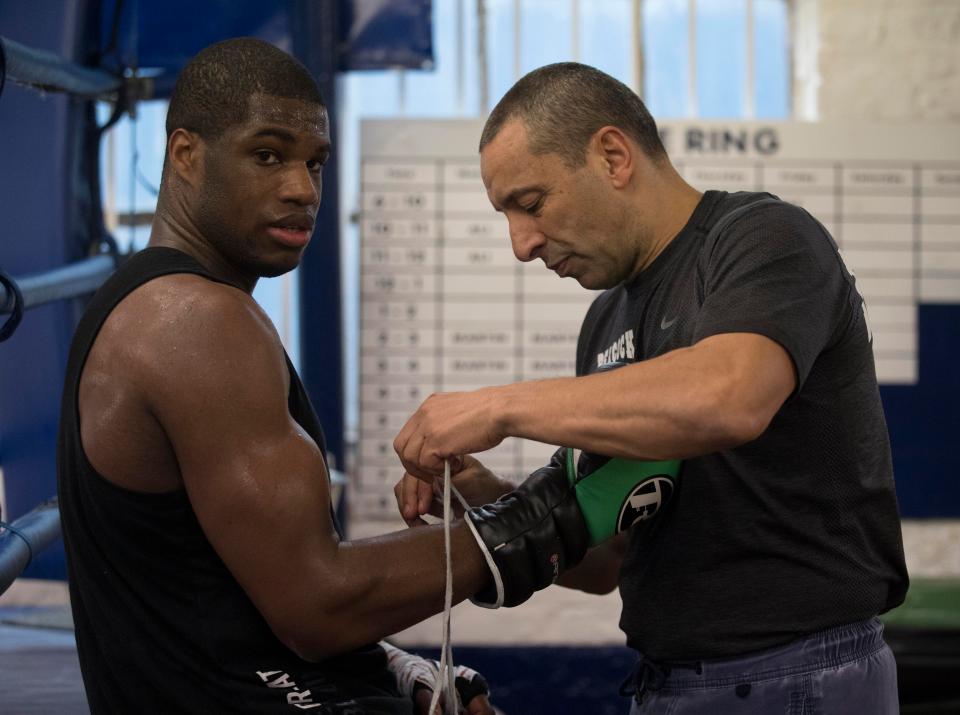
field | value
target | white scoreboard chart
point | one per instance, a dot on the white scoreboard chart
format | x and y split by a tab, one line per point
445	305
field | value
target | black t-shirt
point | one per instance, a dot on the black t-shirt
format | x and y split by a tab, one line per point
162	626
797	530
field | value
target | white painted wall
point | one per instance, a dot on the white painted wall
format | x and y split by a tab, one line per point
892	61
889	60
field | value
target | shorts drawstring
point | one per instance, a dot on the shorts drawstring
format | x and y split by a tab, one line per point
650	676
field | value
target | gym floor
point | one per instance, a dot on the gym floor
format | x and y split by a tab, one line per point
39	670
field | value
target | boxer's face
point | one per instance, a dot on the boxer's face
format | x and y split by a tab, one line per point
568	218
261	185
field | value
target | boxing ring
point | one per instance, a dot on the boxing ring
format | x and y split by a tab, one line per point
43	71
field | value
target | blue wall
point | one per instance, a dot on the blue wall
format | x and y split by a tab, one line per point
39	146
924	420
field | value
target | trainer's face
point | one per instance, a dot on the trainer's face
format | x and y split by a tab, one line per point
261	185
571	219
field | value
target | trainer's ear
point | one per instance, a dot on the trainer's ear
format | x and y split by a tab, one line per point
185	154
617	154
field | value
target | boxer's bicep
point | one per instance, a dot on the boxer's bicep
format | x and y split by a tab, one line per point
256	481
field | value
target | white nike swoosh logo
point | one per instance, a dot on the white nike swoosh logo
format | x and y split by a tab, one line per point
664	324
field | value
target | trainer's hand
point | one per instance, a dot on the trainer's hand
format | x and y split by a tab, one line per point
477	484
449	424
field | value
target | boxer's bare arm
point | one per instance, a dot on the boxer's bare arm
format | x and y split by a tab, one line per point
599	572
217	384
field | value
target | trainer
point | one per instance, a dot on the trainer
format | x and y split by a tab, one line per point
742	348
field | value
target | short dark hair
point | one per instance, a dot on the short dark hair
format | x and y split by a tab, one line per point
213	90
562	105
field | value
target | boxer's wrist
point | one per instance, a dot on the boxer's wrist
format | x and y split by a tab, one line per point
528	537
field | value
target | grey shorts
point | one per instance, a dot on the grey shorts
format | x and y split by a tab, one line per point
840	671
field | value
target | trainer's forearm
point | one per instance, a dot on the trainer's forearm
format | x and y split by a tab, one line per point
678	405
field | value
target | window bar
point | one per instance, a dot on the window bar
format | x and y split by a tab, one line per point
110	195
636	47
483	75
401	91
516	39
575	30
805	77
461	43
693	108
749	99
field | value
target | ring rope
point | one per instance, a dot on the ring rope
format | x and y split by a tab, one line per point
16	310
14	530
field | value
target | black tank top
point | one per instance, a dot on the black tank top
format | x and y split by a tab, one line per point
161	624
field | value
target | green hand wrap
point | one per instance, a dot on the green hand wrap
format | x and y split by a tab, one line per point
615	493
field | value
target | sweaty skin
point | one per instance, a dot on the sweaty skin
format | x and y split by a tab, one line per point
186	387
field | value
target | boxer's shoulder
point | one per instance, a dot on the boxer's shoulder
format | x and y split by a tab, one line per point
171	347
183	316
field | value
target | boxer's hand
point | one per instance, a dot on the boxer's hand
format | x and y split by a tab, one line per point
416	677
477	484
447	425
529	536
480	705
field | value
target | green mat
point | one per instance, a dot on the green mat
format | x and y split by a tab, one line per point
930	603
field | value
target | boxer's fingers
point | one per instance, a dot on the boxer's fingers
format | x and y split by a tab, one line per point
422	702
480	705
414	499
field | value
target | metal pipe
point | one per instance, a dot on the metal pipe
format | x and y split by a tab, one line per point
30	534
71	281
47	71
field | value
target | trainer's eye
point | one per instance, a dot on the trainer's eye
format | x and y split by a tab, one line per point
534	208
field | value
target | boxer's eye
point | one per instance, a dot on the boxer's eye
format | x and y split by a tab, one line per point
316	165
267	157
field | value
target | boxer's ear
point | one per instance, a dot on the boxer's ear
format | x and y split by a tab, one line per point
185	155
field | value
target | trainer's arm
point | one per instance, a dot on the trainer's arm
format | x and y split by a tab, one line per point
258	485
719	393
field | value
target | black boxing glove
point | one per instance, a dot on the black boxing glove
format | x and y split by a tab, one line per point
529	536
